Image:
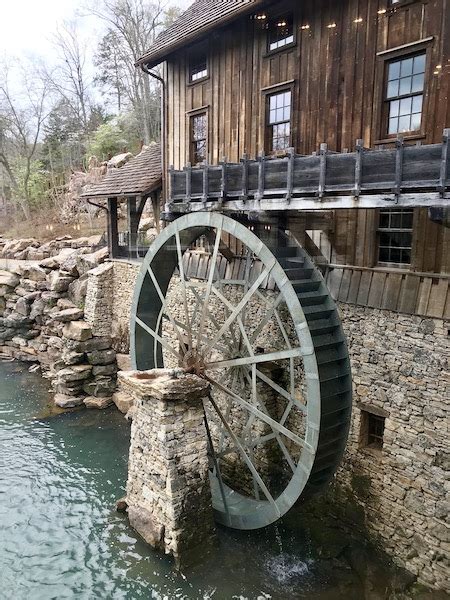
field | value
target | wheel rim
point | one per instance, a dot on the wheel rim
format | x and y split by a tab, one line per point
212	334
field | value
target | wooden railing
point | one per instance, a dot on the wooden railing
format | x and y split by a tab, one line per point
406	175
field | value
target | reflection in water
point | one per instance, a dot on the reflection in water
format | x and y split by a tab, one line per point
61	537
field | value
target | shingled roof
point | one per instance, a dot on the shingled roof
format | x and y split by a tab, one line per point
141	175
200	18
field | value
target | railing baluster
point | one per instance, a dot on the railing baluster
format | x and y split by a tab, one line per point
444	161
205	182
290	174
399	145
188	182
244	162
261	175
224	181
358	167
323	170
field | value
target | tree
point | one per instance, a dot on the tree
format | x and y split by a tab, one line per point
132	26
22	115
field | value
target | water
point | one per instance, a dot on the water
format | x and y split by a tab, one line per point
60	536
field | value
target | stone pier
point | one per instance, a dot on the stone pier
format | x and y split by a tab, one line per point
168	491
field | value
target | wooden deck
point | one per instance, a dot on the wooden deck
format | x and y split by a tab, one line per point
405	175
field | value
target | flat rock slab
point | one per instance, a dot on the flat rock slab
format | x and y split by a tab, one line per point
78	331
64	401
8	279
69	314
99	403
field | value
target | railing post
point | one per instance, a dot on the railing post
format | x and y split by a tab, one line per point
444	161
261	176
323	170
244	162
188	182
290	174
205	182
399	145
358	167
224	182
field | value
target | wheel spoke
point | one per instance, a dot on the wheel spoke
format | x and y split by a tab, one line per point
246	459
255	359
212	270
157	337
273	424
183	279
216	466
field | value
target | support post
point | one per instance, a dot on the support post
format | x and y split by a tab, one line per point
113	228
168	489
133	224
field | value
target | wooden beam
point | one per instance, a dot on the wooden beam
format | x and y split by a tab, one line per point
113	228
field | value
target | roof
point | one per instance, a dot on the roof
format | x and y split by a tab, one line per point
141	175
200	18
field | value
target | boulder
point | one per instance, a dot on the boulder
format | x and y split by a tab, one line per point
58	282
36	273
69	314
100	403
101	387
74	373
23	307
123	401
101	357
78	331
69	265
72	358
64	303
8	279
87	262
91	345
124	362
78	289
110	369
64	401
50	263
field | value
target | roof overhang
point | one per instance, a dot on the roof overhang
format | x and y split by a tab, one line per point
154	57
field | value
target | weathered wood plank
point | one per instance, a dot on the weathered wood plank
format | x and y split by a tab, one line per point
391	291
408	294
345	285
364	288
423	296
438	297
354	287
376	290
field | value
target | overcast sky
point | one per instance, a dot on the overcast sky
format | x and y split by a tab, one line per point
27	25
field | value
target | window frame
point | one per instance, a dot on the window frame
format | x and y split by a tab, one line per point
379	230
267	137
370	413
380	113
190	115
268	52
201	50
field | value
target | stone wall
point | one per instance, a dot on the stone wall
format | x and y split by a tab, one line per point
400	371
124	280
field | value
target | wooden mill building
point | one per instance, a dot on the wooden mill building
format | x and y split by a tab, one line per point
331	119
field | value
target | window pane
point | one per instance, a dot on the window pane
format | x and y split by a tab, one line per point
418	83
395	236
417	104
392	89
406	67
405	106
405	86
273	102
407	219
394	70
404	123
419	63
416	121
394	108
393	126
384	220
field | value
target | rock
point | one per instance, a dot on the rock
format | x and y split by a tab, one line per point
87	262
69	265
23	307
96	343
50	298
78	289
69	314
99	403
110	369
78	331
50	263
101	387
72	358
64	304
124	362
59	283
123	401
64	401
101	357
122	505
37	273
141	521
8	279
119	160
74	373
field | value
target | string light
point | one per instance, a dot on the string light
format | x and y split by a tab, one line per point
305	26
281	24
358	20
438	67
382	11
261	17
331	26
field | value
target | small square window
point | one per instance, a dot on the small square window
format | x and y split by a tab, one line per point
372	430
198	67
395	234
281	32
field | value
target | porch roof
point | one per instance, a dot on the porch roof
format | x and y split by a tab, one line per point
140	176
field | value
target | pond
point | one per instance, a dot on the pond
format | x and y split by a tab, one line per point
61	537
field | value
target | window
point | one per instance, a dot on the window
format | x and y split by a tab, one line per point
199	138
279	121
395	236
281	33
372	430
198	67
404	94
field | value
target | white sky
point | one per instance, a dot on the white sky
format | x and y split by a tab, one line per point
27	25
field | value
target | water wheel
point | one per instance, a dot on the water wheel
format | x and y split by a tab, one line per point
253	316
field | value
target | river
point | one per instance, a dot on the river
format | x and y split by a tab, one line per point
61	537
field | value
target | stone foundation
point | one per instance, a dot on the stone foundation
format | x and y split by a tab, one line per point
168	491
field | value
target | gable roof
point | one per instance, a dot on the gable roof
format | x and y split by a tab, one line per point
200	18
140	175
